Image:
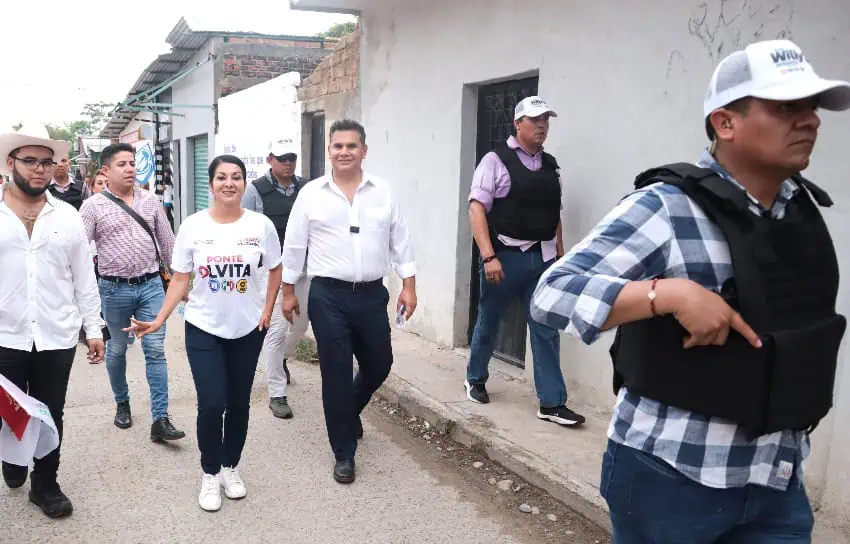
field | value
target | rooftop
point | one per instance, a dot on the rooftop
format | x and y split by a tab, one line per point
185	43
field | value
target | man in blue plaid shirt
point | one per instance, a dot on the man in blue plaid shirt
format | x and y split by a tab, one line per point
670	475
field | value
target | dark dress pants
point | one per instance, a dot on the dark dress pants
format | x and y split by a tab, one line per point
349	320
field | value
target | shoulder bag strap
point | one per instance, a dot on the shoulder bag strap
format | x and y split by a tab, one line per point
139	219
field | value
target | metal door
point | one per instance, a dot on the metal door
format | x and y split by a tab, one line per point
317	146
200	177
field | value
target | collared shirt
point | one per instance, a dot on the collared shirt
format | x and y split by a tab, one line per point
48	289
492	180
124	248
60	187
656	232
351	241
253	200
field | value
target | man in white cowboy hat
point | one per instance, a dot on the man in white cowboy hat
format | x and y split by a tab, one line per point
48	289
721	279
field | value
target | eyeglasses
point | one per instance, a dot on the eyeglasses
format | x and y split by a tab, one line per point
32	164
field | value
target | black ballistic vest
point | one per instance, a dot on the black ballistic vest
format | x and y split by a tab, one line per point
532	208
73	195
784	285
276	205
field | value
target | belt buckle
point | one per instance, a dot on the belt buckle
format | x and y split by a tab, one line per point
133	281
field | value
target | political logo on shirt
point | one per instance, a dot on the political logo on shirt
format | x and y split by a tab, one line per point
226	273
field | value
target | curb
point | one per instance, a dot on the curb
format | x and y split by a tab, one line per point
577	495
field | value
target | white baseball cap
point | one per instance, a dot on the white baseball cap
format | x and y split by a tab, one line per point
533	106
772	70
283	146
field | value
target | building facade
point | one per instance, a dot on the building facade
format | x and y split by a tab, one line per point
331	93
438	85
175	99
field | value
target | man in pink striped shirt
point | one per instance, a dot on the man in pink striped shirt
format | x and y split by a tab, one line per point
130	285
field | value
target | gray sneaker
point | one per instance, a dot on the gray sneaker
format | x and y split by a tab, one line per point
280	408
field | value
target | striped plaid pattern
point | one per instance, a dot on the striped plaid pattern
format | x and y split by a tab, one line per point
659	232
124	249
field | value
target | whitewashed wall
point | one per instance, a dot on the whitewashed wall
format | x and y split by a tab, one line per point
628	79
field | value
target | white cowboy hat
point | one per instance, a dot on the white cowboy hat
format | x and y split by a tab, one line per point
24	133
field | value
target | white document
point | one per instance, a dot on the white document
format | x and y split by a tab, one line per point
40	436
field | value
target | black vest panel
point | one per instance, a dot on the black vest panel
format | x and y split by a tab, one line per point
276	205
784	285
532	208
73	195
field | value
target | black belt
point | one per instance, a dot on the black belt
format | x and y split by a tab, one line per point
351	286
132	281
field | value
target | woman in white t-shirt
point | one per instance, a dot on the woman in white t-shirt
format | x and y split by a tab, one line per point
227	317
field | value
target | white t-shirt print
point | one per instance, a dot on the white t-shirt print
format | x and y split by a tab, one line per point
228	291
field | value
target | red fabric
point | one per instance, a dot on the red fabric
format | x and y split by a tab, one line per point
12	414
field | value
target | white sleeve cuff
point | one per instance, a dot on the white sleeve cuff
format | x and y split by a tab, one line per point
291	276
406	270
94	332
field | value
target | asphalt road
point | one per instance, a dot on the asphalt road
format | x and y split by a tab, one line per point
127	489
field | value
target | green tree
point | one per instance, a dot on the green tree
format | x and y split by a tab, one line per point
94	116
338	30
60	133
97	114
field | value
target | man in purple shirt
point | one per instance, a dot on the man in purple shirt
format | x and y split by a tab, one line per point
515	212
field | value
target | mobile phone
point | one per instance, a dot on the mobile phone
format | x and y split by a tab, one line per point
401	318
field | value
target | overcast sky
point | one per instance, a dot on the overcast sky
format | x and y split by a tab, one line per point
61	54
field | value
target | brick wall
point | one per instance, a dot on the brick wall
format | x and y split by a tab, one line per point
338	73
250	61
327	42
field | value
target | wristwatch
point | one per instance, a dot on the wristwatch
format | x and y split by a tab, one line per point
488	259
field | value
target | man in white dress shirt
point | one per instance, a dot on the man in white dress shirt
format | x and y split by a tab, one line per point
49	291
348	227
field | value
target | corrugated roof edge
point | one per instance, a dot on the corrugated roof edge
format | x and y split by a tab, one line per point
185	43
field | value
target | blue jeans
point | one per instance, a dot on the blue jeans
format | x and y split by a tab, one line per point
119	301
522	271
653	503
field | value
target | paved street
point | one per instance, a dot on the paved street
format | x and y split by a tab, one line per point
128	489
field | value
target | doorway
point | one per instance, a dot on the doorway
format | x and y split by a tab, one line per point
200	177
317	146
496	104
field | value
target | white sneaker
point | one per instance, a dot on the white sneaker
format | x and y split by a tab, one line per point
234	487
210	497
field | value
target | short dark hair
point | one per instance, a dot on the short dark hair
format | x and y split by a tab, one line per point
110	151
345	125
227	159
741	106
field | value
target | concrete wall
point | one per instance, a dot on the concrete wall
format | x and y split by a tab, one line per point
332	90
196	88
623	108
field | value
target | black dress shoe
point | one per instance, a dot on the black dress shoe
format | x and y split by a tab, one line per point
14	475
51	500
359	430
344	471
162	429
123	419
